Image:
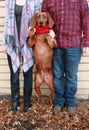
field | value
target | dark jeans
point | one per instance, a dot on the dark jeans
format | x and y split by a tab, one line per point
14	77
65	68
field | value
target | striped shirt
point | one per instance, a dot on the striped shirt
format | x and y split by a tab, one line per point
71	18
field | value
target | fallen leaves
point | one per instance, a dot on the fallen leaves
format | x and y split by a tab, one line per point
41	118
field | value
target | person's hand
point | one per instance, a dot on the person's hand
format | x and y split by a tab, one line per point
4	49
85	50
51	33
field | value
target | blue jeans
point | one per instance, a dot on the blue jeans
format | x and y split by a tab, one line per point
14	77
65	68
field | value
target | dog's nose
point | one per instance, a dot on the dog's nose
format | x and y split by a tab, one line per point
41	23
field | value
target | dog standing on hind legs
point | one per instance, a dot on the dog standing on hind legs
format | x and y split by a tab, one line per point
42	44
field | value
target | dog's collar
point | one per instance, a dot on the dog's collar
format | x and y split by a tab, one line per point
43	29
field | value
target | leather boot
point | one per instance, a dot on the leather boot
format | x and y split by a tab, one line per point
27	98
15	98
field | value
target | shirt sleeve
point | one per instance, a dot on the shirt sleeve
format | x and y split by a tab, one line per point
44	6
85	22
37	6
5	22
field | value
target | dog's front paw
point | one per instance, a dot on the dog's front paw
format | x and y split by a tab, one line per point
31	31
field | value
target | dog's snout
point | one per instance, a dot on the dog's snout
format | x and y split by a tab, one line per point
41	23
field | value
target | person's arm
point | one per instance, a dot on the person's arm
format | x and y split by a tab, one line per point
45	9
44	6
85	22
37	6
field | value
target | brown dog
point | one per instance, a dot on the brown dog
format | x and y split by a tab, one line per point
42	44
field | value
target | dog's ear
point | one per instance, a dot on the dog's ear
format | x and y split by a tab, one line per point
50	21
33	20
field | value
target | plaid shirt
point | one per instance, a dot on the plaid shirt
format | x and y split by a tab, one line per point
71	19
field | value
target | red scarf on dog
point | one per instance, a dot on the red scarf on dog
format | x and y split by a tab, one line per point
42	29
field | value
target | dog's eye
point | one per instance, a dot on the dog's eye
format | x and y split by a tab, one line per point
37	17
44	17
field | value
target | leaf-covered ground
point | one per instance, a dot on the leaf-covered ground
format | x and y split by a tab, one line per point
41	118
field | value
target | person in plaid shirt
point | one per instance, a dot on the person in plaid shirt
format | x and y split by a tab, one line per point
71	27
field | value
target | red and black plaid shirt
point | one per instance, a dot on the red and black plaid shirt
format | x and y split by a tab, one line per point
71	19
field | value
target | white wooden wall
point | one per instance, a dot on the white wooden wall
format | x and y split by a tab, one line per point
83	73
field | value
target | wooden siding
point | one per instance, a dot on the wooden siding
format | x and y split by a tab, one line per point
83	73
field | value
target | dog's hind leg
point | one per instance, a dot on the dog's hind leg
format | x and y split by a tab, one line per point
49	82
51	87
38	82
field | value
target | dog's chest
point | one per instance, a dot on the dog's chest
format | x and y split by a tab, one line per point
42	53
40	37
41	45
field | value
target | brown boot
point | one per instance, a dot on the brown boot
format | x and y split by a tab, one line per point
71	111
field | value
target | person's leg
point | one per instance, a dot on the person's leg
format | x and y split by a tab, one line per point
72	60
59	81
14	82
27	89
